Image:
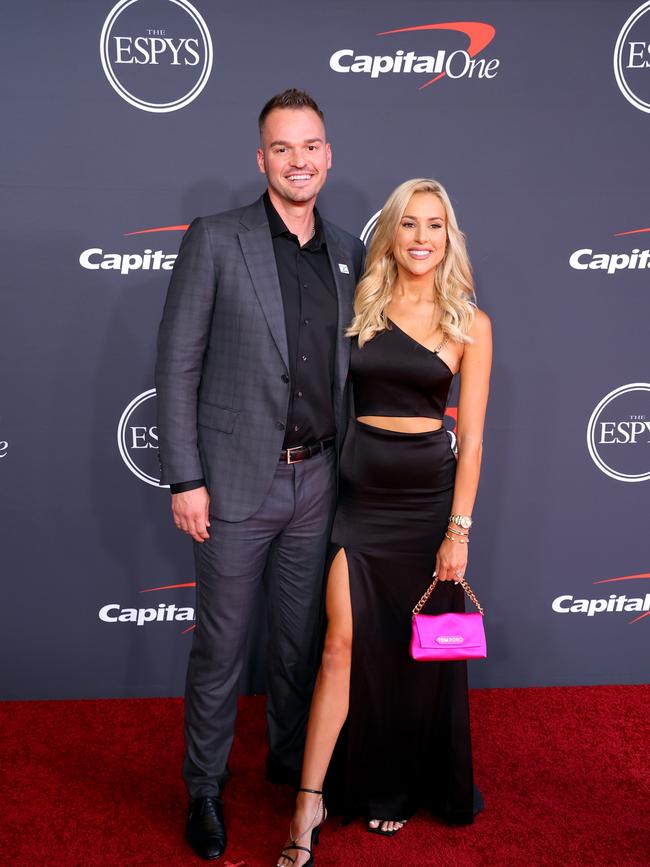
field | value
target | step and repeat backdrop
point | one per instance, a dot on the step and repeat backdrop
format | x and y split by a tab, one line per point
123	122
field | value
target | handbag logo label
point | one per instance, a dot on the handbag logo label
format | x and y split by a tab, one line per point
450	639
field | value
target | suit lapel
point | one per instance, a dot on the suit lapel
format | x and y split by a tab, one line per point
344	284
257	249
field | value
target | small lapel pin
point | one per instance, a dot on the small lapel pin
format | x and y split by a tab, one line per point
343	268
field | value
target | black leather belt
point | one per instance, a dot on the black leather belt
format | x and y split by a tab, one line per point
303	453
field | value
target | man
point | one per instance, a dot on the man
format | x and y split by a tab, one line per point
251	380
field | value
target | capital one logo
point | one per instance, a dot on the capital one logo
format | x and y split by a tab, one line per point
453	61
164	612
618	433
137	438
632	58
609	261
615	603
156	54
123	262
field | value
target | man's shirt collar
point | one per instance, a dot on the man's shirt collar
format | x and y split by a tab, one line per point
278	227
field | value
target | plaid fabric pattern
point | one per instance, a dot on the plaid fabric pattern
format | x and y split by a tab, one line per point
222	353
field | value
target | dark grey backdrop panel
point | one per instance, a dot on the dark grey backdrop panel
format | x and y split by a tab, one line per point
544	159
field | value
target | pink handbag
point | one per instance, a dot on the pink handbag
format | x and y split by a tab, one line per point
442	637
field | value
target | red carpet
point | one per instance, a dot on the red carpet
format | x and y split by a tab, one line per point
564	773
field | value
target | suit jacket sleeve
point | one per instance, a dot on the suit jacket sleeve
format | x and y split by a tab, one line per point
182	342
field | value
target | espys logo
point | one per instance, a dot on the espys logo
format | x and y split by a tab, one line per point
156	54
137	438
632	58
455	63
369	228
613	604
4	449
96	259
635	259
618	433
164	612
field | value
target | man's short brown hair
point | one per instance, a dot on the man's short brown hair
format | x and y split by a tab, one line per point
291	98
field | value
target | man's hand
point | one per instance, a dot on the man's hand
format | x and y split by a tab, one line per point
191	511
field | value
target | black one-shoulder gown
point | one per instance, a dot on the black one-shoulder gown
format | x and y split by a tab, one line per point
406	743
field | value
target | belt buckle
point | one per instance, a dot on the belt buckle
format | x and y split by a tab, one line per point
293	449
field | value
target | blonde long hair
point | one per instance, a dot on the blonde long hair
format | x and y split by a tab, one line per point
453	282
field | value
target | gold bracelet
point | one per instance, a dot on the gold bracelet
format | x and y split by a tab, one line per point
461	541
463	521
457	532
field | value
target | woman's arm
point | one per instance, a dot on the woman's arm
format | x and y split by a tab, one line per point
474	386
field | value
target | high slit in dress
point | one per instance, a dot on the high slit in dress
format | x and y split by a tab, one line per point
406	742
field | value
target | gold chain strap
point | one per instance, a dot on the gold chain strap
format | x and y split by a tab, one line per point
442	343
463	583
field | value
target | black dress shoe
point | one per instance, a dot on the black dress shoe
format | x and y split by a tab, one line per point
205	830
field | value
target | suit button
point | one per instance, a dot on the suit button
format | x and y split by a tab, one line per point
280	426
285	378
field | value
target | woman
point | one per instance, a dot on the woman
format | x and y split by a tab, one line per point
404	510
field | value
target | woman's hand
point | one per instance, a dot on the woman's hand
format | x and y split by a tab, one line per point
451	560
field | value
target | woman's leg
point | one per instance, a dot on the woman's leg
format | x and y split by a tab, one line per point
329	708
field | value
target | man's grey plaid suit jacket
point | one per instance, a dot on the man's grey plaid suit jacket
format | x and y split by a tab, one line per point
222	367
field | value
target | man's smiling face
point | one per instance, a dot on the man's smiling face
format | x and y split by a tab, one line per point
293	154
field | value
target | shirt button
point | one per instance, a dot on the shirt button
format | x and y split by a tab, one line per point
305	285
300	394
296	428
280	426
285	378
304	357
306	321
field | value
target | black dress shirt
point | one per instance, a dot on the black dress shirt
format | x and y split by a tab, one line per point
311	317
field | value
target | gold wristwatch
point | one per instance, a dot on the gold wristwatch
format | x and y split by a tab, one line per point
463	521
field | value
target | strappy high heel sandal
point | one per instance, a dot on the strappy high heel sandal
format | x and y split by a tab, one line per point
315	834
379	829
